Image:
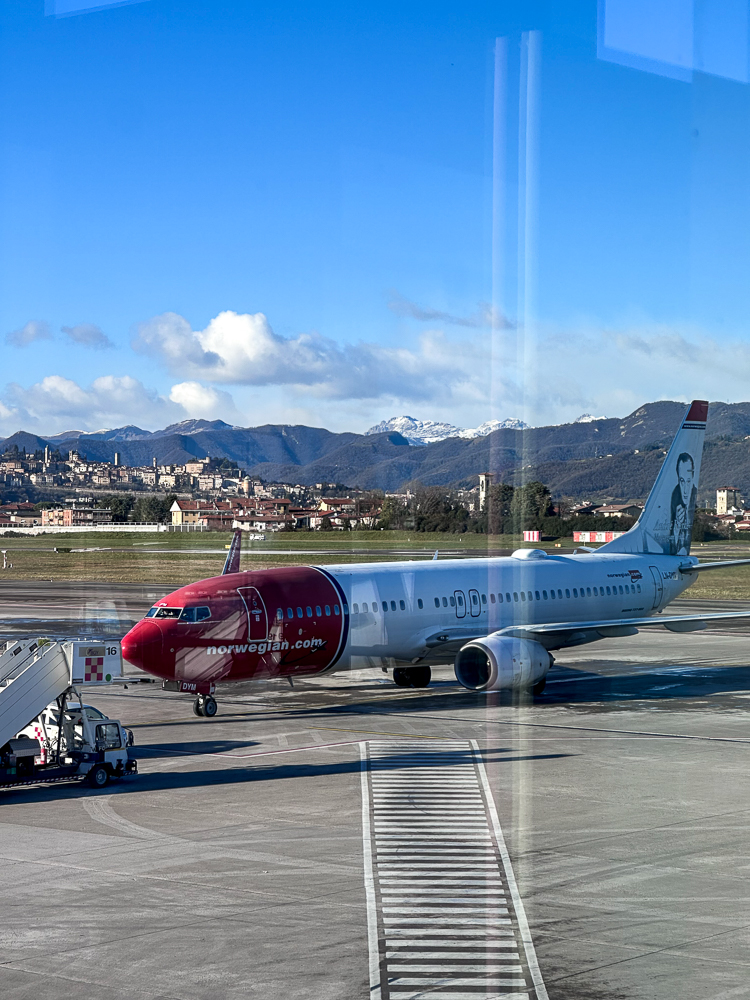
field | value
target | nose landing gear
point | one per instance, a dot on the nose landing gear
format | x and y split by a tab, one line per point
205	706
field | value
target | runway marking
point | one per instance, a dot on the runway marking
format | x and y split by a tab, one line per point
444	916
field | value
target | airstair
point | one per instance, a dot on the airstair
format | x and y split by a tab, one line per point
33	673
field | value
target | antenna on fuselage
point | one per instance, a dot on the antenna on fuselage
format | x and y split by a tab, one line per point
232	564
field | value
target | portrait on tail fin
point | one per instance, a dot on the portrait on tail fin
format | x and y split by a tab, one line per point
682	507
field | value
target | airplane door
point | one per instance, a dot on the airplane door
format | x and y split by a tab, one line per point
475	606
658	586
460	603
257	617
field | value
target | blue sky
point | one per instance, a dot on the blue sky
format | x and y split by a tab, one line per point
172	169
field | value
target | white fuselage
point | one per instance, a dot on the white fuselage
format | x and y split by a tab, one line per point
399	611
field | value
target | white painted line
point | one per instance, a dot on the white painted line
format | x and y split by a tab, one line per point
469	953
439	933
372	912
491	984
536	975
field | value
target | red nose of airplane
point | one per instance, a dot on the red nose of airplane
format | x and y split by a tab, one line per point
142	646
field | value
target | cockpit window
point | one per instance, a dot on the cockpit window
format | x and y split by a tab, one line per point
195	614
166	613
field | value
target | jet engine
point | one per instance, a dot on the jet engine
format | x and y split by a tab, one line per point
500	662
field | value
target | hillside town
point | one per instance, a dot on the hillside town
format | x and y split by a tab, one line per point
51	491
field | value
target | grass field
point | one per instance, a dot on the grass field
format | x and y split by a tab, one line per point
172	559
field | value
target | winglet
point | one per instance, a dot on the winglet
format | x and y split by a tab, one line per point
232	565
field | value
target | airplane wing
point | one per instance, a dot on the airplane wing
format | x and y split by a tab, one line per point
558	634
722	564
232	565
555	635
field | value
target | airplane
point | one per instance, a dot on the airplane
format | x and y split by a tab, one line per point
500	618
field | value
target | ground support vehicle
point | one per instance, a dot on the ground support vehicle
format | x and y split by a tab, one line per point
47	733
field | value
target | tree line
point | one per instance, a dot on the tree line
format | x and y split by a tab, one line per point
509	510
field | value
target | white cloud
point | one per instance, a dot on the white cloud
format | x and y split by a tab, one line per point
548	378
485	315
35	329
242	349
56	404
88	335
204	401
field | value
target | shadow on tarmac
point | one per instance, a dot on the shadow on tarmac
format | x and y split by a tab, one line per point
671	684
147	751
244	773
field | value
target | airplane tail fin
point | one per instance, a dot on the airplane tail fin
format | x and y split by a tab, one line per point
666	524
232	565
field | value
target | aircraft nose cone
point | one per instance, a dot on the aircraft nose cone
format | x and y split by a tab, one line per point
142	646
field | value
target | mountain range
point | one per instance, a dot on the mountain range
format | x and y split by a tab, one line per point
608	458
429	431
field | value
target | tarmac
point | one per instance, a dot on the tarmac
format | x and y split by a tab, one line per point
348	839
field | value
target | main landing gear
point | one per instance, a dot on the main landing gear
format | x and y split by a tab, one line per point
412	677
205	706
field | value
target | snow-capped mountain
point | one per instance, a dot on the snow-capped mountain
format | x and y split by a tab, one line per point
428	431
586	418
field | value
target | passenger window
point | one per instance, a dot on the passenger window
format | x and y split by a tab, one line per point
575	592
515	597
419	603
336	609
484	598
620	588
402	605
445	602
299	613
393	605
609	592
355	609
559	595
385	605
492	598
437	602
279	614
319	613
595	592
499	598
639	587
536	594
452	601
474	600
290	612
552	594
309	611
460	599
567	593
544	594
364	607
588	591
507	597
627	589
328	609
